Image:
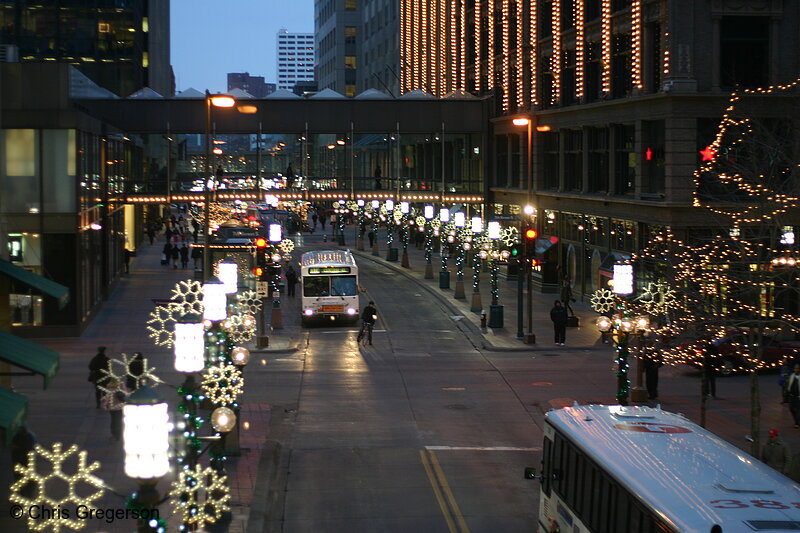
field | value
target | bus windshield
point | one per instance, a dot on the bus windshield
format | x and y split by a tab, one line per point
343	286
316	286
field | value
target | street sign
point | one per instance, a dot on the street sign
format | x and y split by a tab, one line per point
262	288
504	217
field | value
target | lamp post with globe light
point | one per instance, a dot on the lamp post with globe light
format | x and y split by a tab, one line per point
428	215
444	247
459	220
477	229
376	205
405	209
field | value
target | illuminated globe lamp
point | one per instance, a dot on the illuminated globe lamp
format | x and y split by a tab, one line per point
405	209
146	443
240	356
223	419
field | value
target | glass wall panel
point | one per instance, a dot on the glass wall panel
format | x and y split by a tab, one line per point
20	186
58	170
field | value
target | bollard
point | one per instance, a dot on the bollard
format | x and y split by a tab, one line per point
483	319
325	237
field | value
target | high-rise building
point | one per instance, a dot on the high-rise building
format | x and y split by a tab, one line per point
253	85
380	68
295	58
122	47
337	30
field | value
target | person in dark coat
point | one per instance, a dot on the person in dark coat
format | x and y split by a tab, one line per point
652	362
184	251
710	361
197	257
113	402
135	371
151	234
96	375
166	253
558	314
291	280
175	254
371	236
793	391
126	257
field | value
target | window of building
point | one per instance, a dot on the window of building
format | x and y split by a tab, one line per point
350	90
598	160
349	61
744	52
621	65
349	35
550	160
573	160
624	159
653	162
350	5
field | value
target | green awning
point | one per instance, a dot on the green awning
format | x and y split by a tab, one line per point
29	356
13	410
49	287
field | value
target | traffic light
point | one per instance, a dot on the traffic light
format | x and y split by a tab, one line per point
530	242
261	252
258	272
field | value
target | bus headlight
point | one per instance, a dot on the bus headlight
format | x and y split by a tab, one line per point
351	311
308	312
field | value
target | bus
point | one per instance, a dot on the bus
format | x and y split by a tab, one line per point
329	282
615	469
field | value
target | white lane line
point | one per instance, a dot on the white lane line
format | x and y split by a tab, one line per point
352	331
483	448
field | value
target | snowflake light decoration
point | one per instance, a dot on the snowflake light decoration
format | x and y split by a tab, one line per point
189	294
436	223
603	301
420	221
200	495
241	327
352	205
397	212
510	236
119	370
223	383
161	325
81	486
658	298
248	302
286	246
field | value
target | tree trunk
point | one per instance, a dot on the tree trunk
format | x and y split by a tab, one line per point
755	414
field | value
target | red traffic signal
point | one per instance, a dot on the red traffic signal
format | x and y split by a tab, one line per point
258	271
530	234
261	242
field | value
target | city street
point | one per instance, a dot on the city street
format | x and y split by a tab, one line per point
429	429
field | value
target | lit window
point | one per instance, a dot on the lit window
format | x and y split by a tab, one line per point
350	90
349	61
103	27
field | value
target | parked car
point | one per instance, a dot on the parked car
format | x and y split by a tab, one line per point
733	352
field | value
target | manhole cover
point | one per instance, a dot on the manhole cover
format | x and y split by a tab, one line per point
457	407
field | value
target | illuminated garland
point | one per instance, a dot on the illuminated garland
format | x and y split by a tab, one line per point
248	302
200	495
241	327
223	383
77	479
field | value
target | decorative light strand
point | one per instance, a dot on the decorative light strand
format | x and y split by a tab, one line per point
477	13
605	36
417	36
555	59
424	48
636	36
506	70
462	46
580	49
491	45
434	41
519	56
534	57
404	16
453	41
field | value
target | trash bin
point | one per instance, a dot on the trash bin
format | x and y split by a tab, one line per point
444	279
495	316
392	255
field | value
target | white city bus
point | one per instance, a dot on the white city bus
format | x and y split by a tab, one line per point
613	469
329	281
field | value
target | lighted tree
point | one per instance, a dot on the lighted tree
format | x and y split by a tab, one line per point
738	272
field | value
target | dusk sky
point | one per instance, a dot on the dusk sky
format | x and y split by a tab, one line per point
212	38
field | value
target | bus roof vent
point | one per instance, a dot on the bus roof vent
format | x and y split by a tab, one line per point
745	489
774	525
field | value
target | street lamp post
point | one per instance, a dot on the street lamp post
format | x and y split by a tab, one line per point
189	349
405	209
275	237
376	205
459	220
495	309
444	249
428	214
216	100
477	228
146	440
391	222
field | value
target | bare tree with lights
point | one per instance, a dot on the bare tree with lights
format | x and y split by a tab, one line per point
738	274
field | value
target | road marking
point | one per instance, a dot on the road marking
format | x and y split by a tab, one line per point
483	448
337	331
437	468
453	388
456	318
437	492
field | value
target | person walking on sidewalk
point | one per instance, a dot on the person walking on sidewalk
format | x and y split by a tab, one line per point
113	402
184	256
96	375
774	452
291	280
175	254
151	233
197	257
793	388
558	314
126	256
166	253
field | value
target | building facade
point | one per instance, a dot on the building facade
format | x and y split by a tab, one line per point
295	59
381	46
253	85
338	41
122	47
622	95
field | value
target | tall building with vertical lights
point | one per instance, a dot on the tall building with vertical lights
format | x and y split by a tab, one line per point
622	96
295	53
123	47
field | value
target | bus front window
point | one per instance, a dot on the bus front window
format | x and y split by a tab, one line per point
343	286
316	286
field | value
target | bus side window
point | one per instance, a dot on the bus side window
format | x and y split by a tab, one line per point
547	462
623	502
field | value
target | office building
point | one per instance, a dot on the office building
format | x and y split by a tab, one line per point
380	68
295	58
122	48
337	34
253	85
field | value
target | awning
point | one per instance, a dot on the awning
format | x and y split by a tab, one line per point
49	287
29	356
542	245
13	410
607	265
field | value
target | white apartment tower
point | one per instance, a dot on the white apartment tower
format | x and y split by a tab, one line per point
295	58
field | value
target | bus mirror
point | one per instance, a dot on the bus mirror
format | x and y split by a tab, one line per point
530	473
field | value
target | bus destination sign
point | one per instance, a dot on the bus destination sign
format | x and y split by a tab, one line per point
328	270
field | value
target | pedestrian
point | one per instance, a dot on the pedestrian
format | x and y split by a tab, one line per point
378	178
371	237
166	253
558	314
184	251
314	219
289	176
126	257
291	280
793	386
96	375
151	233
774	453
23	442
322	220
652	362
566	294
710	357
135	371
197	257
175	254
113	402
